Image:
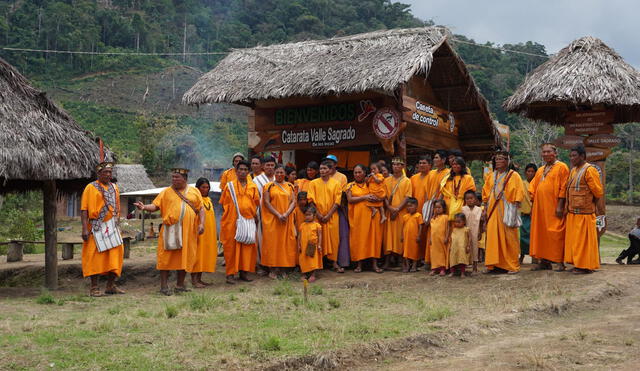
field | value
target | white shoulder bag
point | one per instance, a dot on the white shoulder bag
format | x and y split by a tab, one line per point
245	228
172	234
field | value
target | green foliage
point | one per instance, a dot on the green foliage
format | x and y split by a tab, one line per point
316	290
21	214
284	288
45	298
334	303
202	302
171	311
271	344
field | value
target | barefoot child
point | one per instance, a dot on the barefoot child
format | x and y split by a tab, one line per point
411	232
375	181
460	250
310	245
439	239
473	214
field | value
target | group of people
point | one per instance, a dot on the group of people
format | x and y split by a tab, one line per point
277	218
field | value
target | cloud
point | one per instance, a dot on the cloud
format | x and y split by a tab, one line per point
553	23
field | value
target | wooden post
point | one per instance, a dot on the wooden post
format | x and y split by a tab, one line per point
127	247
15	251
67	251
144	233
50	234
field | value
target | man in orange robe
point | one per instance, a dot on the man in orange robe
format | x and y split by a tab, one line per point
432	188
230	174
182	204
584	188
239	258
335	174
503	243
326	193
547	191
398	192
94	262
418	189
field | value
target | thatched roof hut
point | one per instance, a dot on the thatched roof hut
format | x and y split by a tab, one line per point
38	140
380	61
132	178
41	147
585	73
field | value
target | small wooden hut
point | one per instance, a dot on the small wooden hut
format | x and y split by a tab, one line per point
41	148
400	92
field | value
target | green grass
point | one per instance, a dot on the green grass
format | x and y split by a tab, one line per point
612	245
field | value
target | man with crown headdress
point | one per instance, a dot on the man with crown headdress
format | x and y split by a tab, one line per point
102	249
182	221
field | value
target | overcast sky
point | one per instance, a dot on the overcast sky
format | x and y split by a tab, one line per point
553	23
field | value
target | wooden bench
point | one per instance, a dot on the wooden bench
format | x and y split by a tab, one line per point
15	251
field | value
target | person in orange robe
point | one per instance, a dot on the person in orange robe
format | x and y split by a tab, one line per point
278	224
301	205
109	262
311	173
207	252
335	174
432	189
230	174
456	185
439	239
547	191
584	188
310	233
325	193
419	191
502	249
411	234
173	209
365	232
398	192
239	258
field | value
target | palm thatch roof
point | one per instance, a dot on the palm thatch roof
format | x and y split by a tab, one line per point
378	61
38	140
132	178
585	73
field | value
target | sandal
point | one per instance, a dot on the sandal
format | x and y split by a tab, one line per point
181	289
166	291
230	280
245	278
95	292
378	270
357	270
513	272
114	291
338	270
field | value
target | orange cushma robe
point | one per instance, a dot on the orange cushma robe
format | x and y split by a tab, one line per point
94	262
324	195
340	178
170	206
279	242
437	234
309	232
502	247
454	190
393	228
365	233
432	192
302	184
207	252
581	242
547	230
410	228
238	256
227	176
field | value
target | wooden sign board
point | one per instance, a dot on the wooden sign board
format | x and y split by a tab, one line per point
428	115
597	154
584	117
603	141
587	128
569	141
321	136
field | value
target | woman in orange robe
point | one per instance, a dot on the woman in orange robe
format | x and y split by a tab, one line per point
207	252
95	263
326	194
434	179
239	258
171	206
419	183
365	232
502	248
230	174
547	191
311	174
278	224
455	185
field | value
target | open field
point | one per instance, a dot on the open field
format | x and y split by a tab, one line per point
393	320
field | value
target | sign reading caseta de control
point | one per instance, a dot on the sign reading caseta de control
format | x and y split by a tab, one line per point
428	115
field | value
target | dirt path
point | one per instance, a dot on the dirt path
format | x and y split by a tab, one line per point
596	335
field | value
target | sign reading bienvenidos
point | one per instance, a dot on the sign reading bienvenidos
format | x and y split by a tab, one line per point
316	114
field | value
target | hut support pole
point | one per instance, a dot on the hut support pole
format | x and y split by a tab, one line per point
50	235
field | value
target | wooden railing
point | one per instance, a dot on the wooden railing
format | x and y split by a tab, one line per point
15	250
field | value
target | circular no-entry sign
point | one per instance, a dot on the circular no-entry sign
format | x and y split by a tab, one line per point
386	123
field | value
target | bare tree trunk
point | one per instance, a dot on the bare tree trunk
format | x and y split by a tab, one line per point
50	234
631	145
